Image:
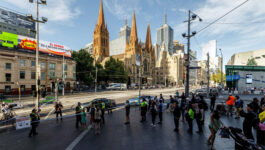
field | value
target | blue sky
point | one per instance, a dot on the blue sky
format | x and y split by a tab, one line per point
72	22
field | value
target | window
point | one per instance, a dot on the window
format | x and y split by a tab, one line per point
8	77
74	75
65	74
33	75
33	63
22	88
52	74
65	67
7	88
22	74
22	63
33	87
42	76
52	66
8	65
43	65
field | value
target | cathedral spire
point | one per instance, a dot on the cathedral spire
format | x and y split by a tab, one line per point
148	41
101	20
133	36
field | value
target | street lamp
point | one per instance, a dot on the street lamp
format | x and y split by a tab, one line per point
190	19
221	67
43	20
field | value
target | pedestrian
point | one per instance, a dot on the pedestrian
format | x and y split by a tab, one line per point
162	98
127	112
261	129
199	117
58	110
78	111
255	104
249	121
214	125
34	121
155	99
97	120
160	111
177	94
193	99
183	105
239	106
213	99
83	118
190	117
143	110
176	114
149	103
103	105
92	113
262	102
153	111
262	115
230	103
109	106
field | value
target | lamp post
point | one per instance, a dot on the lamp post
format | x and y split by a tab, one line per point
63	76
44	19
221	68
187	64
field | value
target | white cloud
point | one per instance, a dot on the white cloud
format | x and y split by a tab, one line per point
183	10
56	10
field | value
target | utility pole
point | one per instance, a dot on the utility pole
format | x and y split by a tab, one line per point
139	81
208	74
187	64
96	79
221	68
63	76
56	89
37	74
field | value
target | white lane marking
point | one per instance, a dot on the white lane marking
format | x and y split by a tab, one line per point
78	139
49	113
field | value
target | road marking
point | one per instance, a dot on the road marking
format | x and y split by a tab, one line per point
78	139
49	113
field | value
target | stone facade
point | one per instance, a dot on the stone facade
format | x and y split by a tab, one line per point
17	67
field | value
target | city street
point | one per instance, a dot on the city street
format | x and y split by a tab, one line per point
116	135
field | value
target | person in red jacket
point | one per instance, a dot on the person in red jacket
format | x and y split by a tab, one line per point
230	103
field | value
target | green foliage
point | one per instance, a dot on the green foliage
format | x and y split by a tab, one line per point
115	72
216	78
252	62
84	66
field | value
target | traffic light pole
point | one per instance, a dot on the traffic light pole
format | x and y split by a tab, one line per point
188	60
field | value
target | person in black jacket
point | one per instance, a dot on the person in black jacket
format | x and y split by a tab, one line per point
249	121
34	119
213	99
176	114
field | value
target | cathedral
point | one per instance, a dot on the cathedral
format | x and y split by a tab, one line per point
139	58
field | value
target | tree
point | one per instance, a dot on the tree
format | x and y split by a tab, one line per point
115	72
84	66
216	77
252	62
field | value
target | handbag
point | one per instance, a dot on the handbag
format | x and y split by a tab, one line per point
225	133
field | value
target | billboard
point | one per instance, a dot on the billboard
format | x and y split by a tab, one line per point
16	19
8	39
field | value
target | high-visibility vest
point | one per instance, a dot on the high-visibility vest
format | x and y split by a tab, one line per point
231	100
143	104
103	105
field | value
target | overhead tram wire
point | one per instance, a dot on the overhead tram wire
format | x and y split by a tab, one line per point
223	16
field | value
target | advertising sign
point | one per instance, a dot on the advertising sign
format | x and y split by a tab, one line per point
16	19
26	43
22	122
8	39
248	78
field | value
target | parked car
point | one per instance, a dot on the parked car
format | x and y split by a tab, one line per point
136	101
97	102
117	86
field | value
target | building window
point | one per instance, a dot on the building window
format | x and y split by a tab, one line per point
33	87
8	65
22	63
8	77
33	75
52	66
43	65
65	74
22	74
33	63
65	67
74	75
7	89
22	88
52	74
42	76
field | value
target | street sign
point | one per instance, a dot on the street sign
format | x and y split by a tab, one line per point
195	67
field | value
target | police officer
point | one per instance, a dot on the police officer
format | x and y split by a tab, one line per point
103	106
143	110
34	118
78	110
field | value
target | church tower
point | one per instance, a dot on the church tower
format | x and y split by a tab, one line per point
100	38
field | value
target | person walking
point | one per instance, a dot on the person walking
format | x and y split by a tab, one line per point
249	121
109	107
262	102
153	110
176	114
214	125
239	106
199	117
58	110
261	130
190	117
183	105
255	104
230	103
92	113
83	118
127	112
34	121
143	110
213	99
162	98
160	111
103	106
97	121
177	94
78	111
